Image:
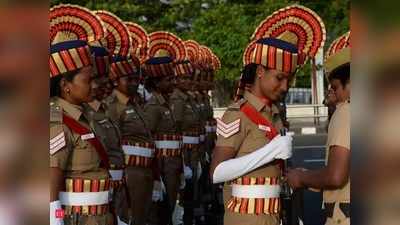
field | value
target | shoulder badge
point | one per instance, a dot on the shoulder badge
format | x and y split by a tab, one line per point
227	129
57	143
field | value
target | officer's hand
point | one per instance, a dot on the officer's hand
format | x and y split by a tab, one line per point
157	192
284	146
187	173
293	177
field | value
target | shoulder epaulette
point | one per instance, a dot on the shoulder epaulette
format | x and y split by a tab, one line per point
55	113
236	105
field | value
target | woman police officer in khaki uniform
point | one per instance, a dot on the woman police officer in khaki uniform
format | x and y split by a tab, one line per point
125	111
248	146
159	72
78	162
108	134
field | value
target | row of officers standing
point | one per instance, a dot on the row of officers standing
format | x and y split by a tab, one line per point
115	148
131	124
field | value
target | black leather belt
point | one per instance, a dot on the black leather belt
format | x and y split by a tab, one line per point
344	207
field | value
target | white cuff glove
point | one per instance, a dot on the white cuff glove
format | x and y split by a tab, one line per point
183	182
207	157
163	189
199	170
157	191
187	172
56	213
120	222
278	148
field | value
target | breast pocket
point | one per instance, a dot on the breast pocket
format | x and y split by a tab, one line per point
84	156
131	114
255	140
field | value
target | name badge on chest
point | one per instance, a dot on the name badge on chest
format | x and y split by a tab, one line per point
102	121
87	136
264	128
130	111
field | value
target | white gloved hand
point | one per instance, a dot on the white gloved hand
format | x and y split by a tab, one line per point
56	213
187	171
207	157
157	192
183	182
163	189
199	170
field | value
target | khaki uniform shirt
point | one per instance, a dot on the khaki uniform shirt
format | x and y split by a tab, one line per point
339	135
129	117
201	106
106	131
247	139
208	108
250	137
77	158
183	111
159	116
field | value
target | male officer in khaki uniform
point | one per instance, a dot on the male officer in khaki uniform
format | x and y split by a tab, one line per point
78	182
334	177
108	134
249	149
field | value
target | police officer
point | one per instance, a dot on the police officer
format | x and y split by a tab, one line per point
334	177
188	124
196	101
206	85
108	133
78	162
127	114
248	148
159	73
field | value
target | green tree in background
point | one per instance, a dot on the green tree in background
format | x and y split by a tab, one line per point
223	25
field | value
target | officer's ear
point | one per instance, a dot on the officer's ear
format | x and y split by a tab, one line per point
64	86
115	83
259	72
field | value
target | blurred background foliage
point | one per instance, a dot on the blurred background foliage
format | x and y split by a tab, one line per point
223	25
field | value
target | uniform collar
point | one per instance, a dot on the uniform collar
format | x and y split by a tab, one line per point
259	104
161	100
72	110
95	105
341	104
121	97
180	93
191	94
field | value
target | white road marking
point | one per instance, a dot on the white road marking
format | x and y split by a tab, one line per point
308	130
314	160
